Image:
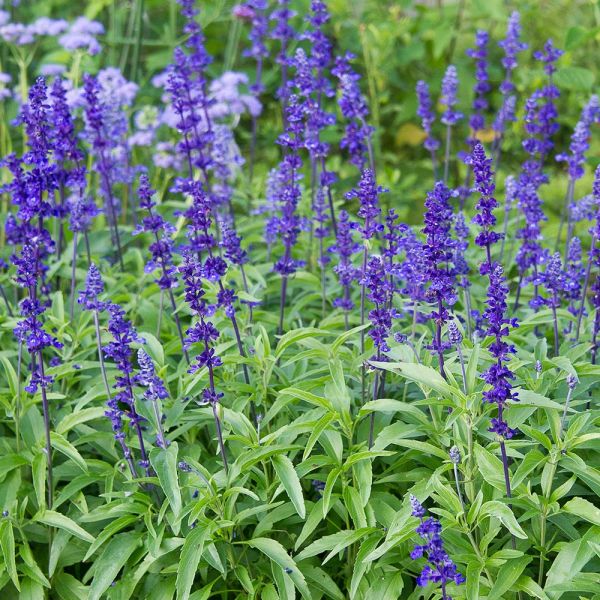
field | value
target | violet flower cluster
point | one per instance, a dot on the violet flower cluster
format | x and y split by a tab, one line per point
440	568
438	251
482	85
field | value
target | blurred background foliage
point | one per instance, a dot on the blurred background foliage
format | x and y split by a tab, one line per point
396	42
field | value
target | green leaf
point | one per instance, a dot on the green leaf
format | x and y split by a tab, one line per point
360	564
108	532
290	481
191	553
505	515
164	462
526	584
574	78
77	418
339	341
9	462
425	376
473	578
583	509
69	588
318	429
60	521
508	574
276	552
571	559
291	337
107	567
323	582
31	590
490	467
529	398
334	543
65	447
7	542
354	505
38	474
308	397
314	518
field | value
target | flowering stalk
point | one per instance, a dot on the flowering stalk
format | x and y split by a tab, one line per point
572	382
592	256
100	144
369	210
201	240
425	111
498	376
510	187
438	254
455	460
440	568
455	337
256	10
285	33
345	247
161	250
353	106
450	117
321	232
89	298
203	331
68	157
289	223
120	351
576	159
155	392
530	254
81	213
379	292
511	45
30	191
553	279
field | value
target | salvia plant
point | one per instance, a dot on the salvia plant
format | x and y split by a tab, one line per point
242	357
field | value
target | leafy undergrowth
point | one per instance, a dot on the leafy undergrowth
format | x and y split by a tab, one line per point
210	394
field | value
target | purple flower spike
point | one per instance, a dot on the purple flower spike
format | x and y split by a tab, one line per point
438	251
448	98
482	85
484	184
512	46
425	111
354	107
580	140
499	376
369	210
440	568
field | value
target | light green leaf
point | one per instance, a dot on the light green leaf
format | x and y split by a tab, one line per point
191	553
65	447
508	574
583	509
425	376
107	567
276	552
490	467
318	429
7	542
574	78
77	418
108	532
505	515
164	462
290	481
60	521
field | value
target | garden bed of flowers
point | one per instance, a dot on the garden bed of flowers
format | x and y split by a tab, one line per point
229	368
